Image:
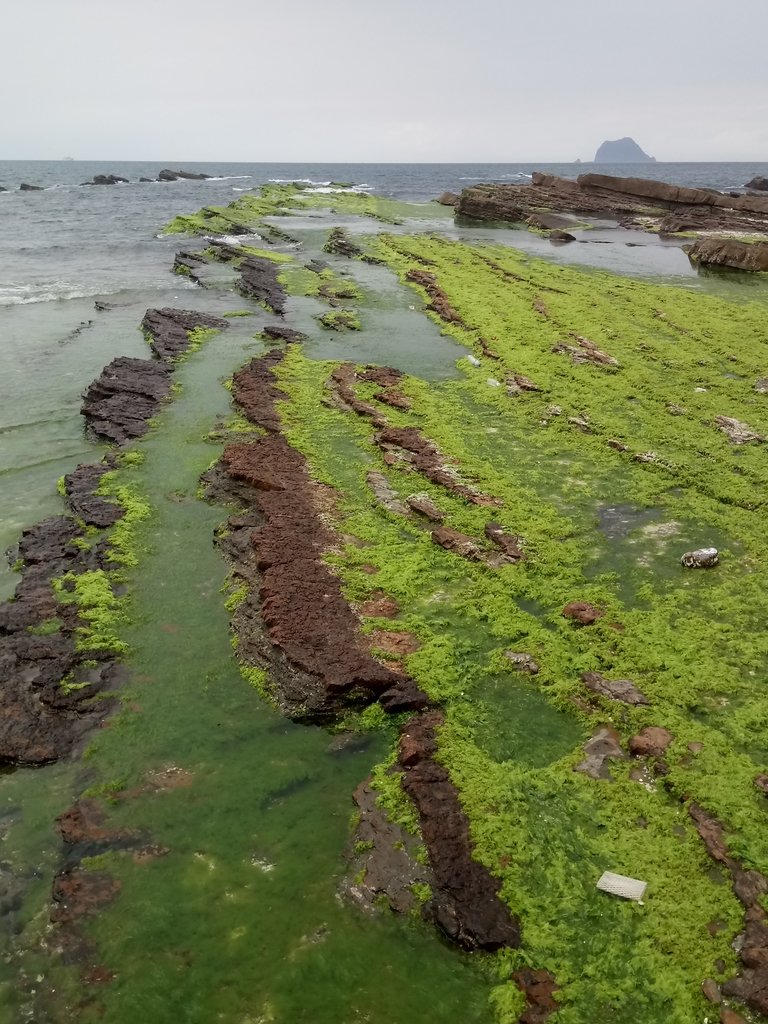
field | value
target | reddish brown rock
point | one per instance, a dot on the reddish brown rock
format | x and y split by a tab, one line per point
438	300
539	987
424	505
79	893
582	613
711	991
652	741
510	544
459	543
731	1017
585	351
379	606
398	644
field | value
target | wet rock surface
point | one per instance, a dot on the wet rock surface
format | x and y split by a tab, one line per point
169	329
80	487
296	620
340	244
119	404
702	558
258	281
465	903
168	175
438	300
382	859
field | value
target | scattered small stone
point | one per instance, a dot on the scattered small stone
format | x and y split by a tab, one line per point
676	410
646	457
423	504
731	1017
517	382
582	613
618	446
702	558
623	690
506	542
450	539
602	746
652	741
701	391
761	386
711	990
737	431
761	781
523	662
582	422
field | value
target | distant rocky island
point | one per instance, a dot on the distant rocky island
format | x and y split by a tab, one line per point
622	151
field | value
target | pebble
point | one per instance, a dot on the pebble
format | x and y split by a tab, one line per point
702	558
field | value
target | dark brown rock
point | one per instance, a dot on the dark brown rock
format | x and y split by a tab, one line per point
711	990
259	281
459	543
119	403
169	329
511	545
539	987
466	904
340	244
168	175
24	187
760	183
424	505
438	300
80	488
729	252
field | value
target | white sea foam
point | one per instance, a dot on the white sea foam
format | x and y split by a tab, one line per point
50	291
233	239
297	181
227	177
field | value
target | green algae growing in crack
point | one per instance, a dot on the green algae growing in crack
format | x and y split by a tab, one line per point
691	642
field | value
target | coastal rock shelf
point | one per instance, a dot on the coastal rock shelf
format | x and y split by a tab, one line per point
450	596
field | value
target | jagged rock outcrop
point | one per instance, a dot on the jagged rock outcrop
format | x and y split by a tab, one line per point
119	403
169	329
729	252
106	179
622	151
634	202
760	183
24	187
167	175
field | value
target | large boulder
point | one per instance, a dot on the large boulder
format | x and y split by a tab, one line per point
729	252
671	195
760	183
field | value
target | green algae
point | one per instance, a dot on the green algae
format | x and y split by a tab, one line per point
340	320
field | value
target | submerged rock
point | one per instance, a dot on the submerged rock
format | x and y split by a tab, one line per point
703	558
106	179
340	244
24	187
603	745
522	662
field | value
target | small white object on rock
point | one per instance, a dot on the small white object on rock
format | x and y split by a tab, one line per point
473	360
621	885
492	382
704	558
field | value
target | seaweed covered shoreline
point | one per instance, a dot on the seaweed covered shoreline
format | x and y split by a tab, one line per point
420	561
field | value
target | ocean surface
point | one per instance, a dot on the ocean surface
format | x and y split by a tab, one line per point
66	246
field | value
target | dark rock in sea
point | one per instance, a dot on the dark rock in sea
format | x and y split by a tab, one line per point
448	199
24	187
561	236
189	264
729	252
760	183
277	332
341	244
259	281
146	179
3	189
383	858
465	904
169	329
622	151
546	221
106	179
80	487
119	403
166	175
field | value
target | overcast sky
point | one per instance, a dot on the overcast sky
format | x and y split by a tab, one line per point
394	80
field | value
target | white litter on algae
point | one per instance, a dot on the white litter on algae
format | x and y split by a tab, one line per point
621	885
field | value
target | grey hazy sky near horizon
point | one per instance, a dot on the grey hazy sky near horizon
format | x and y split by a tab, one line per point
398	80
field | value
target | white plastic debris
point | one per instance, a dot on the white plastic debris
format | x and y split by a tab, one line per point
473	360
621	885
493	383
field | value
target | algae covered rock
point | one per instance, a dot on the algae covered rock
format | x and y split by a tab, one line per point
703	558
729	252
